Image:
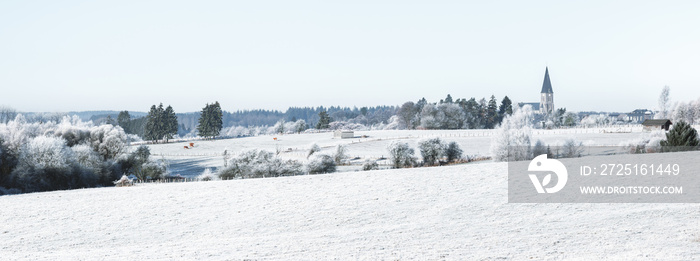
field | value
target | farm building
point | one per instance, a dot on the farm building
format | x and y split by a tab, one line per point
650	125
344	134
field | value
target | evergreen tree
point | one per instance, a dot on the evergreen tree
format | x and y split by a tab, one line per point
506	107
491	113
448	99
151	129
124	119
681	137
471	109
160	123
323	121
170	124
211	120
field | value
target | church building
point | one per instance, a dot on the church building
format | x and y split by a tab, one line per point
546	104
546	95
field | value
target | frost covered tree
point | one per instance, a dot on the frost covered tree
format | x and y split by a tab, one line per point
279	127
300	126
408	115
210	121
340	154
430	118
7	114
107	140
313	149
401	155
46	163
431	150
452	116
511	141
664	103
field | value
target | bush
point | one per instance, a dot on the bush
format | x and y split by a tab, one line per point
646	143
321	164
572	149
681	137
431	150
150	171
453	152
259	164
370	165
340	154
207	175
539	149
401	155
314	148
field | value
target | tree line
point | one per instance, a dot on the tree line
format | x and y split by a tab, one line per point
454	114
161	124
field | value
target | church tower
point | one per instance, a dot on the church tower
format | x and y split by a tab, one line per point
547	95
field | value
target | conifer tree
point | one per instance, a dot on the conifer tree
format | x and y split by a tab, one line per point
323	121
160	123
211	120
681	137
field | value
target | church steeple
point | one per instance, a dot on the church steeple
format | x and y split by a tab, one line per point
546	95
546	85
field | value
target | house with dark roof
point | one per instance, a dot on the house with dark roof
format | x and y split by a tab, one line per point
640	115
661	124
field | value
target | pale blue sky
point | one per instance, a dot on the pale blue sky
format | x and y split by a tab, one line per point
116	55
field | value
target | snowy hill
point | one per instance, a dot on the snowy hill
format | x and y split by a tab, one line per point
454	213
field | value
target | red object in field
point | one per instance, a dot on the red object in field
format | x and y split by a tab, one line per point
275	138
192	144
187	147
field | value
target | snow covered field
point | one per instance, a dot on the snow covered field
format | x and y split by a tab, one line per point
208	154
455	213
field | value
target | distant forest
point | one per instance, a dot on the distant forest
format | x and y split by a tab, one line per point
251	118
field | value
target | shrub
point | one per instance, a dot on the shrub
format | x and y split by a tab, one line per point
646	143
370	165
207	175
539	149
314	148
431	150
572	148
259	164
453	152
340	154
401	155
321	164
150	171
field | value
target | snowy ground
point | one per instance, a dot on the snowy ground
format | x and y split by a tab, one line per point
455	213
208	154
